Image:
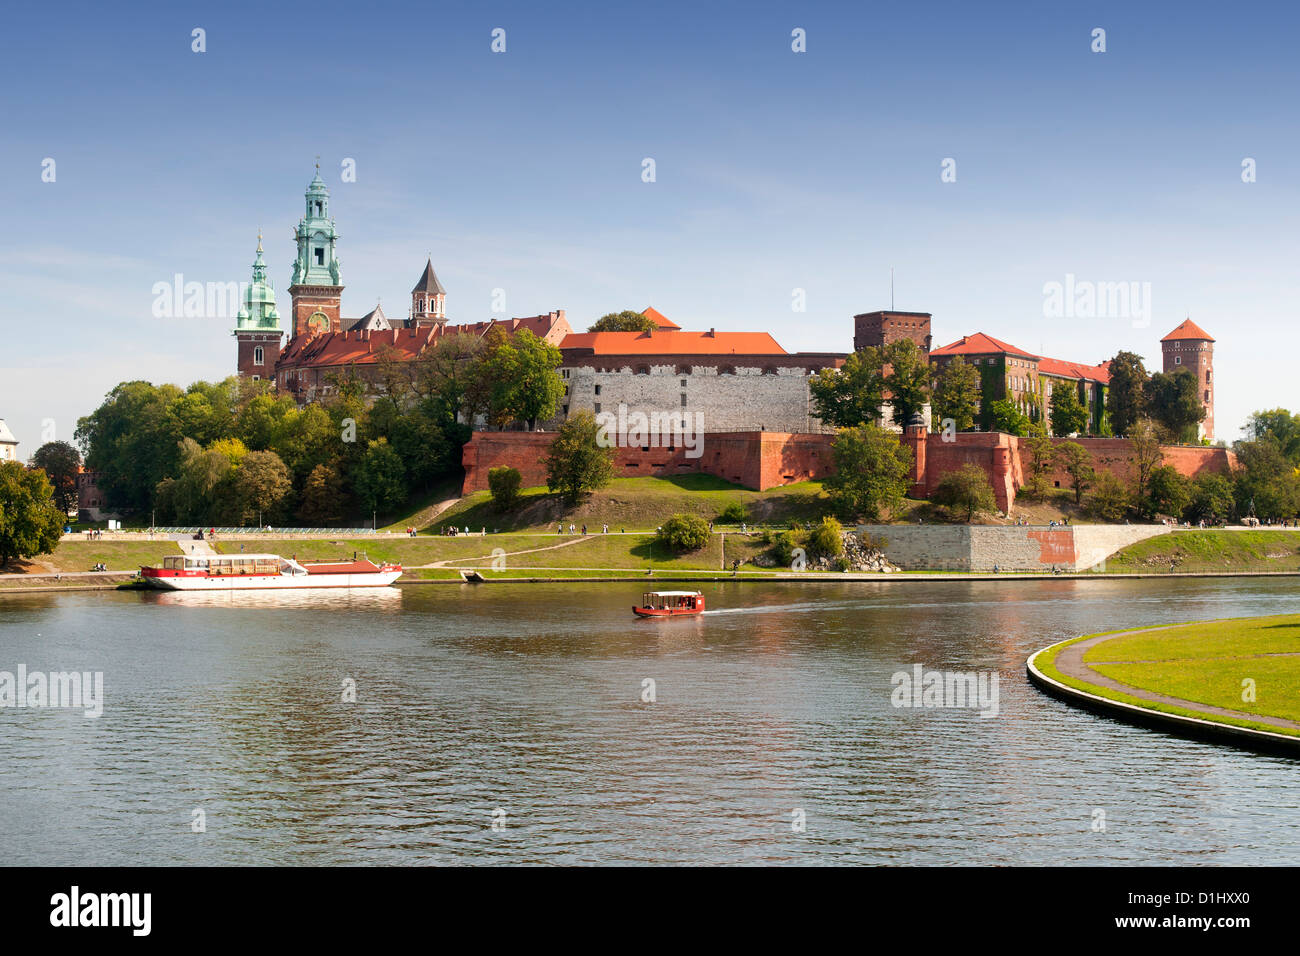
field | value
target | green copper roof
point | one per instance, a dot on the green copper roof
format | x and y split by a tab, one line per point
317	262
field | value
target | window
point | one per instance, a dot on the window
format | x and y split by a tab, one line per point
1207	376
684	398
597	389
320	256
597	408
258	358
684	382
318	208
566	409
258	378
1178	360
642	370
1207	394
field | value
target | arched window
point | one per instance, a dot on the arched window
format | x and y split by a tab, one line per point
257	355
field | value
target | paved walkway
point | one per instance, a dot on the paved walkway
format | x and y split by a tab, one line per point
1070	662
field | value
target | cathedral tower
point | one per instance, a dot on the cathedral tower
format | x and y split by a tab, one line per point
257	326
1189	346
428	299
316	288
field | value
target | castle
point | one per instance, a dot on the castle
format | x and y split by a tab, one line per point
744	389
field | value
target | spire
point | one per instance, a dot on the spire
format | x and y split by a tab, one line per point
258	311
428	282
317	262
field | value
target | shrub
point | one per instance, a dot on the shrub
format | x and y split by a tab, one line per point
684	533
827	538
1110	498
966	490
503	482
734	513
783	547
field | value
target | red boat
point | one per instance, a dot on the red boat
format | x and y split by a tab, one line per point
669	604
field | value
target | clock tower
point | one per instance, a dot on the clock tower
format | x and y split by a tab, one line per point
316	289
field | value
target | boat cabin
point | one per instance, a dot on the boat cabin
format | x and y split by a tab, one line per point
672	600
233	564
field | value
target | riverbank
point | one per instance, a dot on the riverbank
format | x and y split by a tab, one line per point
1234	681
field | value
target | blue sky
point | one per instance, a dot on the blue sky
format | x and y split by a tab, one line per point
775	171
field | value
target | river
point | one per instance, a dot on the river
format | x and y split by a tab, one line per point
506	724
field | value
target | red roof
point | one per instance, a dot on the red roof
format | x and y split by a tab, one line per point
659	319
981	344
673	342
1188	330
1064	369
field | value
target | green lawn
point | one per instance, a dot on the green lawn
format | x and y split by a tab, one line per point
1264	550
1205	663
640	504
117	555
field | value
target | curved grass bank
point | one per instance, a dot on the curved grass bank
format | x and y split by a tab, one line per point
1234	681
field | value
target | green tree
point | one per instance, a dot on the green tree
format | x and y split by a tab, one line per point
1266	480
734	513
323	497
1168	492
61	463
1005	417
262	488
132	440
852	394
380	480
1110	499
907	379
1212	499
957	394
504	482
625	321
1126	393
576	462
1042	459
1144	436
872	472
1077	463
30	521
683	532
1173	400
1069	415
537	385
1281	426
965	491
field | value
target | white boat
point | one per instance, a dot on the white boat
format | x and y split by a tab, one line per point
225	572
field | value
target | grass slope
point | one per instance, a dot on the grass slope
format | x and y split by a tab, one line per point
1271	550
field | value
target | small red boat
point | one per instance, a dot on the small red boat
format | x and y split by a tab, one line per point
669	603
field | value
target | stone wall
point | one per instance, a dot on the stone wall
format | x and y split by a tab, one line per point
1008	547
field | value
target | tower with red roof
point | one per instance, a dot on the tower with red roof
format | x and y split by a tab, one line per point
1189	346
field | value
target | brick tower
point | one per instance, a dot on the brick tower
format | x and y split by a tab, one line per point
428	299
257	326
316	288
1189	346
881	328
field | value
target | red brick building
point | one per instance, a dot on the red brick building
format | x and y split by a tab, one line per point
1189	346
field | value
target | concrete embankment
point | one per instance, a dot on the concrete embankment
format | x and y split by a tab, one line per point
949	547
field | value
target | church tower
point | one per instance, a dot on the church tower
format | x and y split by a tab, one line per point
316	288
428	299
257	326
1189	346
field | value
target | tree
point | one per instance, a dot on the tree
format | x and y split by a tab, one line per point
872	471
322	497
1069	415
1126	393
262	488
576	462
734	513
1173	400
537	385
907	380
1266	480
380	479
132	439
1211	500
1279	425
957	393
30	520
1077	463
1005	417
625	321
1042	458
504	482
61	464
1168	492
1147	453
1110	498
965	490
852	394
684	533
202	490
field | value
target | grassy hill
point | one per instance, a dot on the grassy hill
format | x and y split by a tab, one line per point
1263	550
